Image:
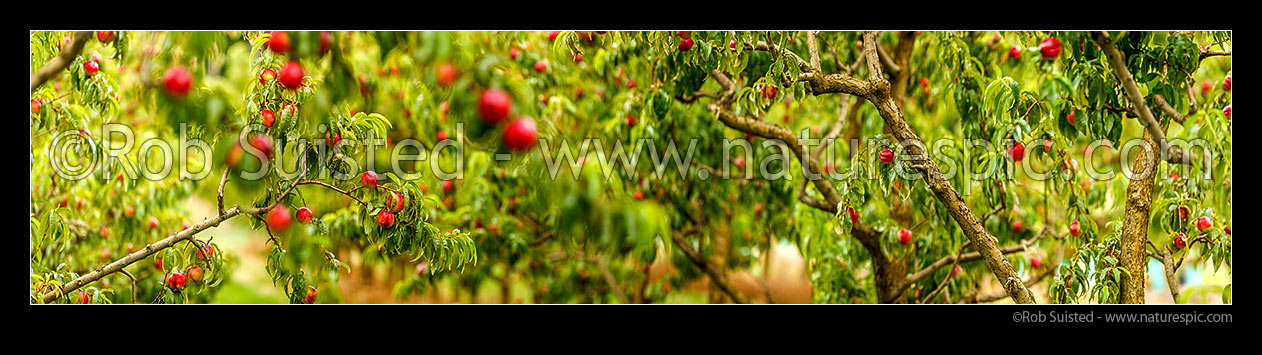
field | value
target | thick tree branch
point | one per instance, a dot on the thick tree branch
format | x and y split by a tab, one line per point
1165	106
1117	61
62	60
814	50
719	278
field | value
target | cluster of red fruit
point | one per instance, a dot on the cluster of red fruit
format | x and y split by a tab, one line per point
494	106
1049	48
685	40
291	74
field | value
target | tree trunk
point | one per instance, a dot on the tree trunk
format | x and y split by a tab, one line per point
1135	221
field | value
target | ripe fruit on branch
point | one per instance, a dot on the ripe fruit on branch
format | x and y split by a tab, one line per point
1183	212
904	236
268	117
267	75
1203	223
448	186
326	39
1047	146
177	81
279	42
541	66
924	82
494	105
385	219
1180	240
1016	226
1014	52
153	222
157	262
394	202
441	135
685	44
684	34
1017	151
1070	117
956	270
512	53
630	120
521	134
578	57
105	36
887	156
332	139
279	218
1050	48
447	74
1227	83
91	67
176	280
732	44
291	75
311	295
1036	261
770	91
1074	229
304	215
854	217
369	179
552	35
1227	111
263	143
196	274
205	252
36	105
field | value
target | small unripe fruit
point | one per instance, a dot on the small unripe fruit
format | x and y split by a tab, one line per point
279	218
904	236
1074	229
268	117
291	75
304	215
1203	223
369	179
385	219
887	156
494	105
177	80
311	295
521	134
279	42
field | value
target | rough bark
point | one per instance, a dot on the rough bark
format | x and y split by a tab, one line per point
62	60
1135	221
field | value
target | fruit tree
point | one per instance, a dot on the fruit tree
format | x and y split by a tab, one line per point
607	166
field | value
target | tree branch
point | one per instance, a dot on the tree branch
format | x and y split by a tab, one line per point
719	278
1118	63
62	60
